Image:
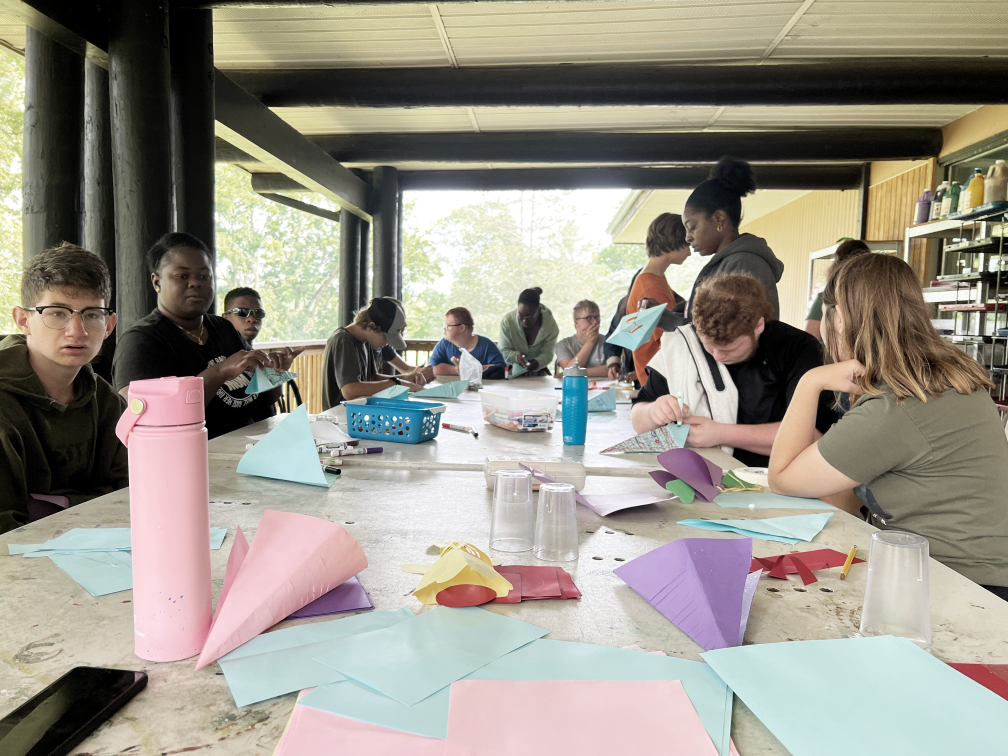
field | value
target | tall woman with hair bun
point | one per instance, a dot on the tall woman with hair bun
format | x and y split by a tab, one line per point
922	448
712	216
528	334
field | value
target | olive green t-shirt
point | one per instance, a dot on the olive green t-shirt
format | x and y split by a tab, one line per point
937	469
815	309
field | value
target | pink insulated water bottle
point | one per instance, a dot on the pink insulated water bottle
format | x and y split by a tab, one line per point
163	430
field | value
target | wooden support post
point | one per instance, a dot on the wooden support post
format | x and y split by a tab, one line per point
193	140
385	210
53	162
139	83
399	249
349	276
99	198
363	298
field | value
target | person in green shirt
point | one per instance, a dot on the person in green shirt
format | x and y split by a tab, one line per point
847	248
922	448
528	334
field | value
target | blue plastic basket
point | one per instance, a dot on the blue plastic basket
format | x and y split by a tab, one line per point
404	422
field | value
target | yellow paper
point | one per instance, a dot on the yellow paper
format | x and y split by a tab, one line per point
460	564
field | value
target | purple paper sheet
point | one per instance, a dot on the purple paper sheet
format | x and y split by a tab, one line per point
698	584
347	597
699	474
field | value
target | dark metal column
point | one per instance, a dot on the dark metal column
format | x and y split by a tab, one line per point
99	199
399	249
139	83
53	162
364	294
349	277
192	91
385	210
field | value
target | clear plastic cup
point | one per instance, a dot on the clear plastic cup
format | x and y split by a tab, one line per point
556	533
512	524
897	598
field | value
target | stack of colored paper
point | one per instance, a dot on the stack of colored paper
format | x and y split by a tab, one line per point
537	582
701	585
781	529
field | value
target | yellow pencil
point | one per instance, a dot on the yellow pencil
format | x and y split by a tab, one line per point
848	563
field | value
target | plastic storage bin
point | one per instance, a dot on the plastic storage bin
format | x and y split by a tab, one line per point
404	422
519	410
564	469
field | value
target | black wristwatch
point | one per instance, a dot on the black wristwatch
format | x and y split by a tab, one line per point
396	381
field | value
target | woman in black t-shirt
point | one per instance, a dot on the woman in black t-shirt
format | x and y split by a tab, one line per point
179	338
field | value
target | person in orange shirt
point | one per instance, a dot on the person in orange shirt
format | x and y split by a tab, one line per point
666	245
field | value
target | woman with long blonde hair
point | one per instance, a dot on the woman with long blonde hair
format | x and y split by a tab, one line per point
922	447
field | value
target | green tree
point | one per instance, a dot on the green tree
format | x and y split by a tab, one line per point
425	301
12	82
290	257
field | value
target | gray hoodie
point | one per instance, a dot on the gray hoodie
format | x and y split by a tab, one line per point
747	254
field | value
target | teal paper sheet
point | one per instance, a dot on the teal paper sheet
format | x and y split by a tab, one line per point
868	696
392	392
82	540
412	660
636	328
281	662
767	500
98	572
604	402
540	660
781	529
288	453
450	390
264	379
517	370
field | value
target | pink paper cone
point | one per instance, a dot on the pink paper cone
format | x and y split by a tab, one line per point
293	560
239	548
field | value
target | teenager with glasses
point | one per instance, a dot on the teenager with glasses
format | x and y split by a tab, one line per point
585	346
458	335
243	307
58	445
180	337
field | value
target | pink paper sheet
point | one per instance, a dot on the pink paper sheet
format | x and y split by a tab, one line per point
312	732
508	718
239	548
293	560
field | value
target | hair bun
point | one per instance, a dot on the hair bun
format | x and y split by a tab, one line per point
536	289
735	175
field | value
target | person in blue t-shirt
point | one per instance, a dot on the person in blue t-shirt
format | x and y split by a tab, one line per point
458	335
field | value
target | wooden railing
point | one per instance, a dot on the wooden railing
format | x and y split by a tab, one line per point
308	365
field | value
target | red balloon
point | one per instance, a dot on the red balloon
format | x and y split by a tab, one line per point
466	595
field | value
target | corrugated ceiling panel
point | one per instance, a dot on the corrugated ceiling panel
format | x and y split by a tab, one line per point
845	115
592	118
338	36
375	120
12	32
900	28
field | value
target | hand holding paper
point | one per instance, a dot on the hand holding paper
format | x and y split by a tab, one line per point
265	379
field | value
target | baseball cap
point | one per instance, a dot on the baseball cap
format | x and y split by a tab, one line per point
390	319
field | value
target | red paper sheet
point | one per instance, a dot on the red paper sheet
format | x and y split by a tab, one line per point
802	562
994	677
539	582
515	594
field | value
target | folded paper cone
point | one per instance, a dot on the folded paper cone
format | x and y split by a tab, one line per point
293	560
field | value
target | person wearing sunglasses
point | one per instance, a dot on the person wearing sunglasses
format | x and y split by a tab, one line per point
180	337
243	307
459	335
58	445
585	347
528	334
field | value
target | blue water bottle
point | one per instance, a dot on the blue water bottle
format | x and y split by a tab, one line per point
575	405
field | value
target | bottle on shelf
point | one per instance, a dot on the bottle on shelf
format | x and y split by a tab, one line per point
936	203
996	183
924	207
950	202
972	194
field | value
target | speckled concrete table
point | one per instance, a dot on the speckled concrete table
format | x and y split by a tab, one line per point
50	624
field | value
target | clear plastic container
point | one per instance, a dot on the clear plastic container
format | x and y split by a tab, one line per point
520	411
897	598
556	532
512	525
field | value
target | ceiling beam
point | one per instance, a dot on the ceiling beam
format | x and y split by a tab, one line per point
248	125
307	3
635	148
304	207
875	81
804	177
81	25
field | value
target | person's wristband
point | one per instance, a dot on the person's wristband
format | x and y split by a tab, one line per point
396	381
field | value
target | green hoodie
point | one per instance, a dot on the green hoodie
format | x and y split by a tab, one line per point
512	339
51	448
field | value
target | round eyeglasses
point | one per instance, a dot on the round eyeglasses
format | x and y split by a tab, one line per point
243	312
58	317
